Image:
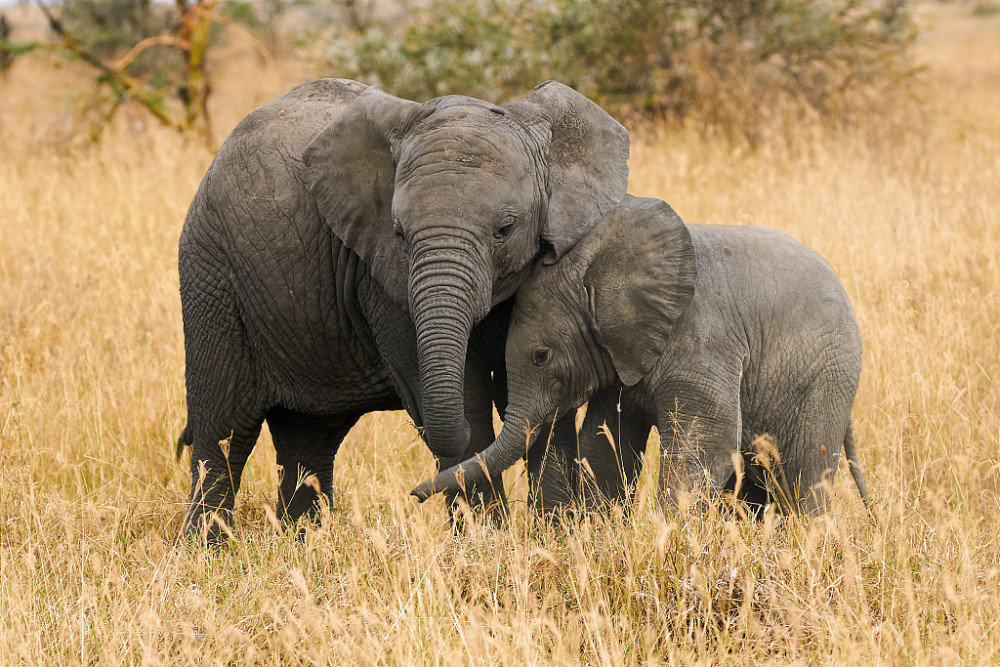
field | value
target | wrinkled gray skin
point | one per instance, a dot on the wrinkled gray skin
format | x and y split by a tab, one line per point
342	247
712	334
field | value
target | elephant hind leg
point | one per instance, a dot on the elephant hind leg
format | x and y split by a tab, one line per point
219	453
305	446
225	407
809	443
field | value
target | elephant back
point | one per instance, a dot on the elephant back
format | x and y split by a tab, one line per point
256	174
292	120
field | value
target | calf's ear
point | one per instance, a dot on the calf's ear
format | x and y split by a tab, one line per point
639	281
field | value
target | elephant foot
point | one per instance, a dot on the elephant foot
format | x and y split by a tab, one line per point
208	527
482	510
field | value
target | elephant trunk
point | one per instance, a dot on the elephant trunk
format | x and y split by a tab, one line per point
513	442
445	306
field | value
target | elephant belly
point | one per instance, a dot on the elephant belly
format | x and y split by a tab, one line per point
313	362
332	391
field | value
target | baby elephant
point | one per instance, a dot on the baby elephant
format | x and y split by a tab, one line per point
715	335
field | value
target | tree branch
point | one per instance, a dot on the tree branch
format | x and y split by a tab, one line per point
158	40
262	50
130	85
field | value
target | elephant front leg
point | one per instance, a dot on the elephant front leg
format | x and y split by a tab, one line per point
612	441
552	471
305	447
699	436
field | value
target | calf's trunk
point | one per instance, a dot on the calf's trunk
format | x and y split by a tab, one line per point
486	467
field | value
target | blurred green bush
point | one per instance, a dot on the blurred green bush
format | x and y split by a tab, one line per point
726	63
109	27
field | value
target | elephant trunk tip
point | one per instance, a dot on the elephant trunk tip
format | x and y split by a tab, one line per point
423	491
455	478
449	443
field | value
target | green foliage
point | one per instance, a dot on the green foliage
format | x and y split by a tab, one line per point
7	51
259	17
164	56
984	9
723	61
109	27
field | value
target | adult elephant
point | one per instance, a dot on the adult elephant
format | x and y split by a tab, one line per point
342	247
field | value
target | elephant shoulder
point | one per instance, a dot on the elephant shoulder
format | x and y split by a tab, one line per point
259	165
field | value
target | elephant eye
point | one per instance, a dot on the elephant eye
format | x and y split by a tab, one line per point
541	356
397	226
504	230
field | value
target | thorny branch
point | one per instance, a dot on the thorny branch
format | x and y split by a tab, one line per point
191	37
134	88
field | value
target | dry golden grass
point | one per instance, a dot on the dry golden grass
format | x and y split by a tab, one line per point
91	397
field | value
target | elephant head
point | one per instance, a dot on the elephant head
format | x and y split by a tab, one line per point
449	202
601	316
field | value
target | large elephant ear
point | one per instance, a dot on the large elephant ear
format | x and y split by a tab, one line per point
639	281
351	172
587	162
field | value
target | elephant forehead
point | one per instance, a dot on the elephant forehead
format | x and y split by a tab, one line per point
543	296
453	178
466	137
552	325
434	194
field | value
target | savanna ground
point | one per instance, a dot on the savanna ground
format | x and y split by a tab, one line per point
904	206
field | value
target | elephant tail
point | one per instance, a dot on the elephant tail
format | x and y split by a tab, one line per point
852	461
183	441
